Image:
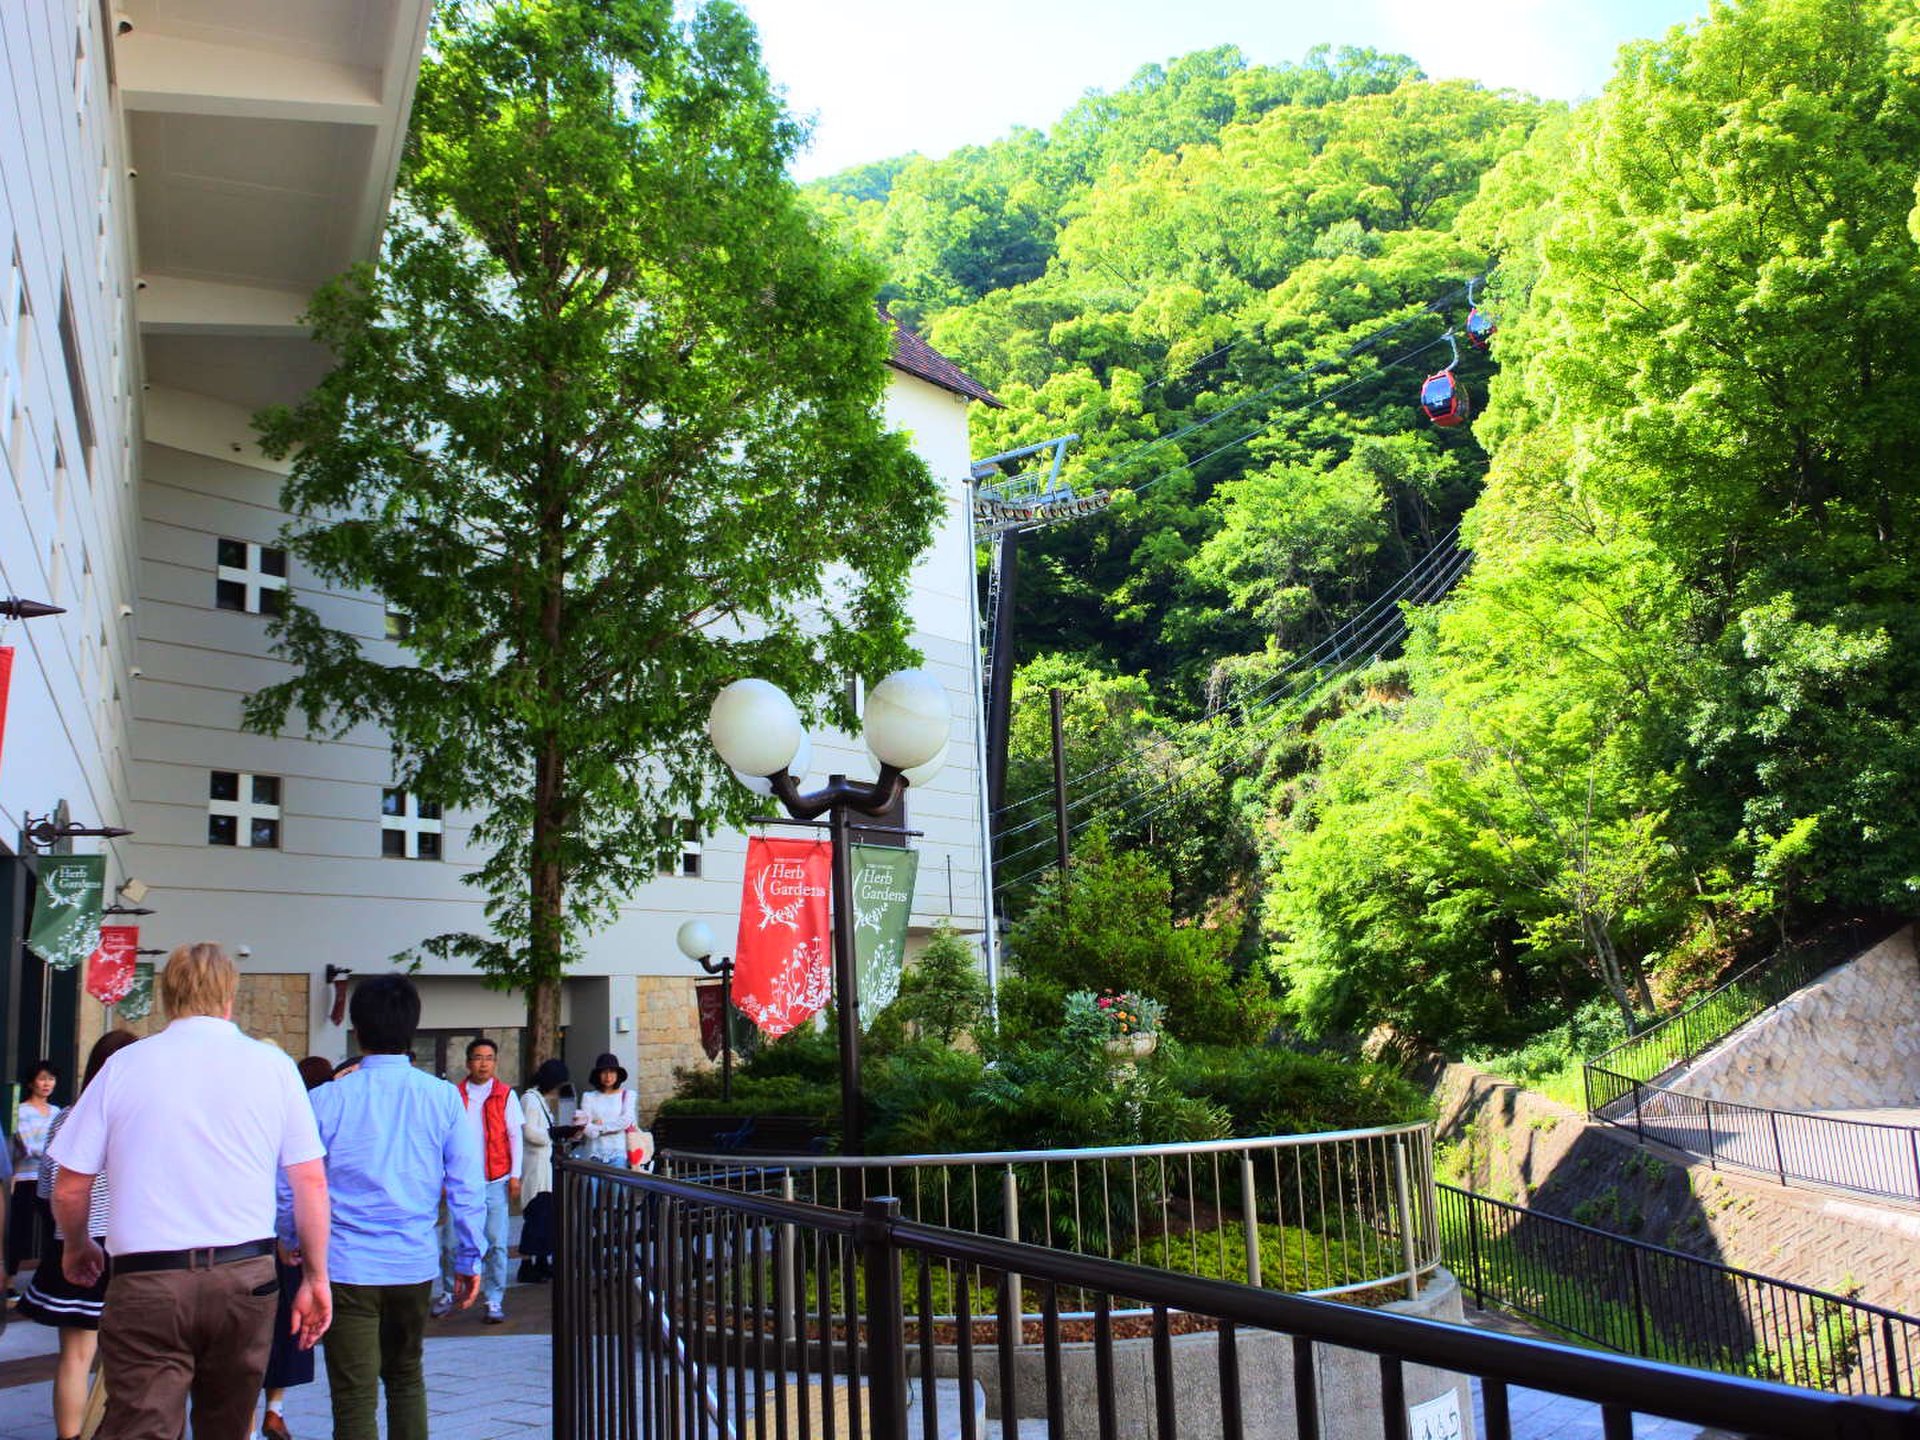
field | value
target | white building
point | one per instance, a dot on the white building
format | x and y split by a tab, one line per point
177	177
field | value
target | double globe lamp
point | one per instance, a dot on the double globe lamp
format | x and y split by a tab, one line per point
759	735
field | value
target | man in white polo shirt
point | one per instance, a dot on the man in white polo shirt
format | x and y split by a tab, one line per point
193	1125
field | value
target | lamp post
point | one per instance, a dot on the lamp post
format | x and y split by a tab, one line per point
757	731
696	942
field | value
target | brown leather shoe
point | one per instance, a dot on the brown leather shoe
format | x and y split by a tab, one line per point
274	1427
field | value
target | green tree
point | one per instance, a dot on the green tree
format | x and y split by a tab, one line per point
943	995
597	424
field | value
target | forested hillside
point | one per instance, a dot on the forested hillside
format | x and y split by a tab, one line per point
1666	711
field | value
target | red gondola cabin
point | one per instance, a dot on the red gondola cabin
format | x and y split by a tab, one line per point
1444	399
1480	328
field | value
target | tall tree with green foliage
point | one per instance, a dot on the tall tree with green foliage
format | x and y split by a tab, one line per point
604	426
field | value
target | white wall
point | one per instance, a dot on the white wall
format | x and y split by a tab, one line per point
66	531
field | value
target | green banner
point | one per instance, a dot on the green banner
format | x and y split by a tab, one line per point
138	1000
882	906
70	889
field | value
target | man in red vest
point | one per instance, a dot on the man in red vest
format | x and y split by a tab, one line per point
494	1112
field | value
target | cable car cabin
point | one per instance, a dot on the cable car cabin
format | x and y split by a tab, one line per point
1480	328
1444	399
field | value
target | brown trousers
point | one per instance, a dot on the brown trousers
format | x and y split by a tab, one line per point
168	1336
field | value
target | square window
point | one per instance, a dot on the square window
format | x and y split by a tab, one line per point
273	602
266	789
273	561
393	802
223	830
229	595
399	624
224	785
429	809
690	865
393	844
265	835
231	552
429	845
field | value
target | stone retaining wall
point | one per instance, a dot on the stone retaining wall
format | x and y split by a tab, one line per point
1848	1041
1514	1144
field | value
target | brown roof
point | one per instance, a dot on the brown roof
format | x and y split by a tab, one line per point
917	357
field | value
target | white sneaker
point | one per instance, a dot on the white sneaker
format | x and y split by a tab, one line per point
496	1313
442	1305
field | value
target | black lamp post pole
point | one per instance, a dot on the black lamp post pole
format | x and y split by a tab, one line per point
839	800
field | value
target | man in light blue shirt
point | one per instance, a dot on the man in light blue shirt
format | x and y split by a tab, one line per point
397	1139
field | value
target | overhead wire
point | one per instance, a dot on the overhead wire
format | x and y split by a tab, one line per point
1384	632
1332	641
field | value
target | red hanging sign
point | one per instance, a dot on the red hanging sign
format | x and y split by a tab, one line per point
782	976
110	969
6	676
713	1017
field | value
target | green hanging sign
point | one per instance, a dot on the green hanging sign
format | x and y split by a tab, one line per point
69	891
138	1000
882	907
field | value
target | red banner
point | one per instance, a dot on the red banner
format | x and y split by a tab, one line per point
110	969
782	974
6	676
713	1017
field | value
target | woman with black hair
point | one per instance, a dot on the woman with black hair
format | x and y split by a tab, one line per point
541	1107
28	1223
52	1299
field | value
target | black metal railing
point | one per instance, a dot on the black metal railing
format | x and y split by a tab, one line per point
1646	1300
684	1312
1689	1033
1864	1156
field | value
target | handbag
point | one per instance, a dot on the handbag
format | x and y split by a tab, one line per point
639	1148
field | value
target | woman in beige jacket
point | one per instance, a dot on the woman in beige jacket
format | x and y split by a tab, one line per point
541	1107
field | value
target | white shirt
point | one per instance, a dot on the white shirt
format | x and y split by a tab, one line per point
475	1097
607	1118
193	1125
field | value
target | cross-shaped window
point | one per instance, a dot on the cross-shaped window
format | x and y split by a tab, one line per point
687	862
250	577
244	810
410	828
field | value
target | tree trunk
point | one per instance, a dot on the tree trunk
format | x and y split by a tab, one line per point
545	957
1601	943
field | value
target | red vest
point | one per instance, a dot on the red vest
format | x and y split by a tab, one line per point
493	1125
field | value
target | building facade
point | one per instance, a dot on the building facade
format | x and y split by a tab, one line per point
178	176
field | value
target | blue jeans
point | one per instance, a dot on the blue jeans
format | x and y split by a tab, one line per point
493	1267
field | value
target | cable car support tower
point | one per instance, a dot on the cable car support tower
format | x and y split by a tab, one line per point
1010	498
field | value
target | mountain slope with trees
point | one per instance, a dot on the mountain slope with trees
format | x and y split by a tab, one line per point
1669	712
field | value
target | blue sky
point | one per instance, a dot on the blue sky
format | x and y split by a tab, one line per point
882	77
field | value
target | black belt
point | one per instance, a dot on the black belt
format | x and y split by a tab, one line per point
203	1258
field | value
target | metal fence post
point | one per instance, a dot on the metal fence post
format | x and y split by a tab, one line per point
1639	1300
789	1238
1010	1198
886	1320
1779	1156
565	1345
1473	1250
1586	1083
1250	1217
1713	1148
1405	1197
1913	1143
1639	1123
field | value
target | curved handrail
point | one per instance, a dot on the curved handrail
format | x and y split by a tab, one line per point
1089	1152
1328	1213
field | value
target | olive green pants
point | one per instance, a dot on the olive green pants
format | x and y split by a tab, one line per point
376	1339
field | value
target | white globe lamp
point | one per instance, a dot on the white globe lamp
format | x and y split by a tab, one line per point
755	727
908	719
922	773
797	767
696	940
